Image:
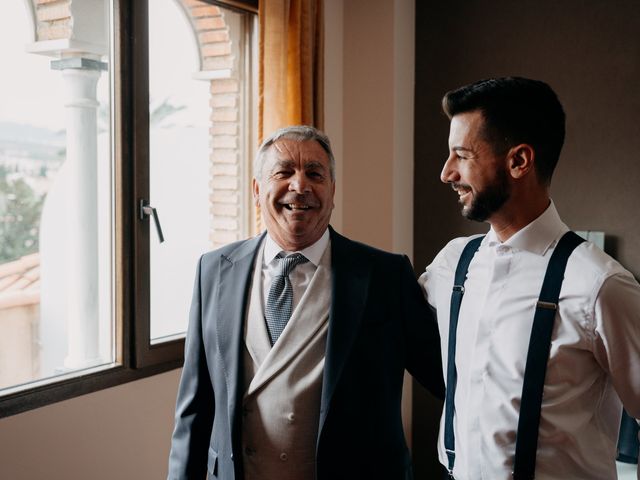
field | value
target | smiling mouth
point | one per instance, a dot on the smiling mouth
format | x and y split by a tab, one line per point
296	206
461	190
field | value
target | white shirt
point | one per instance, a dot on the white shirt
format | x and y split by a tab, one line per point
301	275
594	360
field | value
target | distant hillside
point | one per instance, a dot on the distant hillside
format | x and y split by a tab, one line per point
34	142
16	132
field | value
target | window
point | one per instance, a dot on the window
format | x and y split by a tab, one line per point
199	118
115	113
55	199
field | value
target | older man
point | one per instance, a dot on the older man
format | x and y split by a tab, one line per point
298	340
541	330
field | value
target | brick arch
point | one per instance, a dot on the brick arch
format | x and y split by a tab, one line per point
219	66
211	32
51	19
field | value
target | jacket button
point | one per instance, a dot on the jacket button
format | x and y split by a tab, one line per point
283	457
291	417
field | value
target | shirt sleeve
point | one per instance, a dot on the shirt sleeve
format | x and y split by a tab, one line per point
444	263
617	337
427	283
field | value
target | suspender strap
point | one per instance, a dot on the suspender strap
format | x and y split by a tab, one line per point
537	358
452	375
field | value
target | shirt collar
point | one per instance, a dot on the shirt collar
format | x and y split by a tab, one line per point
536	237
313	252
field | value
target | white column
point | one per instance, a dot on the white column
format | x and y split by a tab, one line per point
81	106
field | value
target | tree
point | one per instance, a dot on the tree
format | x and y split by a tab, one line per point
163	111
20	209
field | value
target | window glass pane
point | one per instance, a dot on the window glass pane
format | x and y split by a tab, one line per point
199	92
55	191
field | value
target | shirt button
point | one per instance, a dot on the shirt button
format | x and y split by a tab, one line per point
291	417
283	457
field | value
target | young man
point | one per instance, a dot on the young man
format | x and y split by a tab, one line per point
505	140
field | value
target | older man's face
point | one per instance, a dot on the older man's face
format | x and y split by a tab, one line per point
295	193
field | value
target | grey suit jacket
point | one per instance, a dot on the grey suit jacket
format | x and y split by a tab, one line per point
379	326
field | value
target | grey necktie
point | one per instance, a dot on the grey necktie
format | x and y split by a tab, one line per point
280	301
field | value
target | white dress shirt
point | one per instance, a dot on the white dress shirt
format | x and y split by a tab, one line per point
301	275
594	360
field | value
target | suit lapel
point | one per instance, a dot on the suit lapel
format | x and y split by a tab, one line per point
350	283
233	287
256	335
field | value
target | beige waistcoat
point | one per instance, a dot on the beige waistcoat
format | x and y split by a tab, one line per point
283	383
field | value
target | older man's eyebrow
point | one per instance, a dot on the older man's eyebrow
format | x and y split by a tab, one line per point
284	163
314	165
288	163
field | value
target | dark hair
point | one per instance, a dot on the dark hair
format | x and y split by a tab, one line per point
515	110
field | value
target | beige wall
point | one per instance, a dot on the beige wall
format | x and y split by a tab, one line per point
18	353
369	116
124	432
590	54
117	433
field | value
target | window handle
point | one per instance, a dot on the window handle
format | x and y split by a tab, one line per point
147	210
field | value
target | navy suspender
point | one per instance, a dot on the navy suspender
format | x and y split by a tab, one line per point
539	345
537	356
452	375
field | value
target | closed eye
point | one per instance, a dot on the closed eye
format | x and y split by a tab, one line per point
282	174
462	153
315	175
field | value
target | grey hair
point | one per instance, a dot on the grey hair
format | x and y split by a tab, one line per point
298	133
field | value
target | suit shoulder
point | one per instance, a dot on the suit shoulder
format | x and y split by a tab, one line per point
369	254
212	257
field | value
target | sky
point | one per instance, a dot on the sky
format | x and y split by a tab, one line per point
32	93
22	98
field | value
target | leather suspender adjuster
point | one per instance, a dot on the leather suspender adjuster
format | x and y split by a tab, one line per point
547	305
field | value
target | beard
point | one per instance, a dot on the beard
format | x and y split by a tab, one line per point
489	200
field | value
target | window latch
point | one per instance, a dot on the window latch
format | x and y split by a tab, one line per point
147	210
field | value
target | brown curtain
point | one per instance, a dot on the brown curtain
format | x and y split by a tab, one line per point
291	64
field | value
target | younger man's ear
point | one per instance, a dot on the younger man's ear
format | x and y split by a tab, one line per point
521	160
